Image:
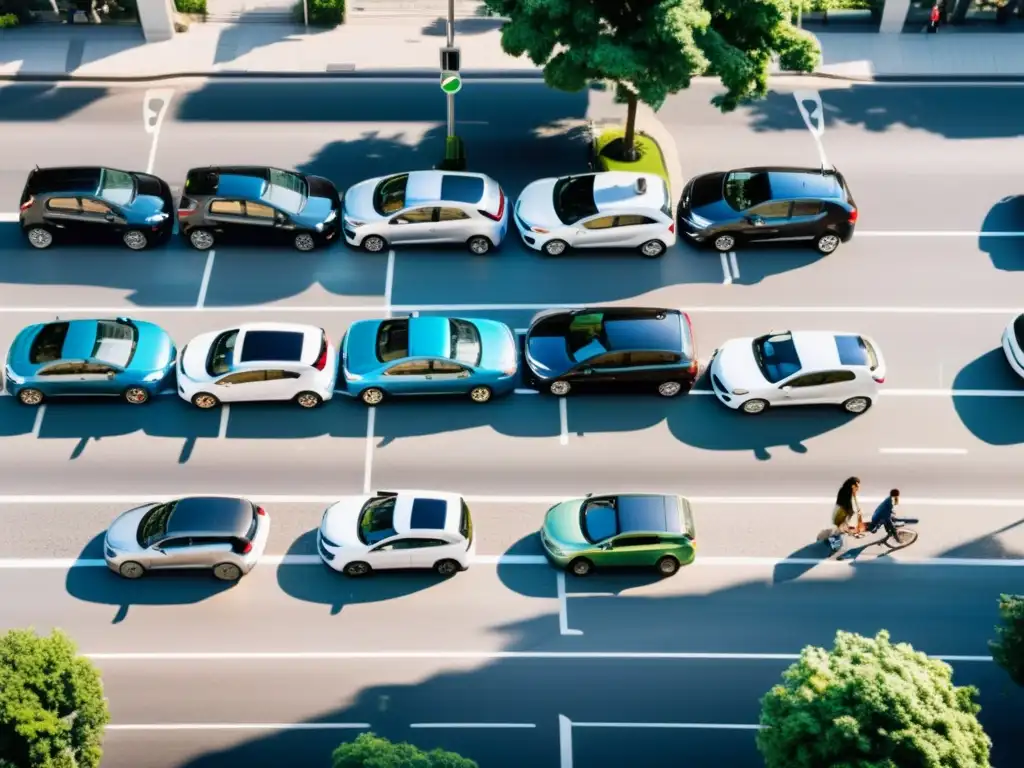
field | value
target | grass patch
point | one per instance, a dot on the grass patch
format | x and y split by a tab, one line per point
608	153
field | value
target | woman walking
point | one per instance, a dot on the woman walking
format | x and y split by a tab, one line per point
847	515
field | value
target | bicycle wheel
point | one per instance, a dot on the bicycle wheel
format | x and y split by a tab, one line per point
905	537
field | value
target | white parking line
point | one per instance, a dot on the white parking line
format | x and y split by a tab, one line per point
238	727
9	218
153	118
472	725
952	393
695	726
563	421
924	451
37	425
726	273
565	741
371	424
389	282
563	607
937	233
734	265
526	392
207	271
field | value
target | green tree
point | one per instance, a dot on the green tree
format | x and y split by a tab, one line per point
650	49
1008	648
870	703
52	709
372	751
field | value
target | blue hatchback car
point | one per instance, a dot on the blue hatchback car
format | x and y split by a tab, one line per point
123	358
428	356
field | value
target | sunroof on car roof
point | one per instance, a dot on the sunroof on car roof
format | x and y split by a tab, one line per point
285	346
428	514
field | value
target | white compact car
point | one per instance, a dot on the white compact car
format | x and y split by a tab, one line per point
426	207
397	530
1013	344
258	362
613	209
798	368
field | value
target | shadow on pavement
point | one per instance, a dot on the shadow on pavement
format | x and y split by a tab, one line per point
989	546
473	26
530	581
791	571
1007	253
44	103
993	420
247	34
511	416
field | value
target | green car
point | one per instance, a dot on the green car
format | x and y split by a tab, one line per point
634	529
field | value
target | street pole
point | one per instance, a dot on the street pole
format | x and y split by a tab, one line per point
451	44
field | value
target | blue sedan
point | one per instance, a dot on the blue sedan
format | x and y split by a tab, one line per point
123	358
428	356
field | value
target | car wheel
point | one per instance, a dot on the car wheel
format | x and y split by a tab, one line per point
827	243
135	239
754	406
374	243
555	247
304	242
669	388
39	237
447	568
724	243
356	569
30	397
131	570
480	394
205	400
308	399
372	396
581	566
136	395
560	388
227	572
201	239
668	566
479	245
652	249
857	404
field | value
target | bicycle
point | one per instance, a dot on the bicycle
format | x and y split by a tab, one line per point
904	536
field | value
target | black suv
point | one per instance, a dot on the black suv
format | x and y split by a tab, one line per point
257	205
92	204
759	204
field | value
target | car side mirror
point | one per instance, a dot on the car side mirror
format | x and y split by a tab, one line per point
111	374
757	221
787	389
108	216
606	545
399	221
586	370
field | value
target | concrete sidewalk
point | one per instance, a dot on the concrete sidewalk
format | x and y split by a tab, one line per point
382	44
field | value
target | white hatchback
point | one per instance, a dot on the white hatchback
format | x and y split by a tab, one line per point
612	209
258	362
397	530
1013	344
798	368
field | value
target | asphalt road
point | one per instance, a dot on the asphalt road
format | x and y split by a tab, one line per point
931	276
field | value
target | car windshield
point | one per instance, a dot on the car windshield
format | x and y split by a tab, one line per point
776	356
377	521
599	519
153	525
219	361
574	198
466	348
743	190
389	197
393	340
115	342
48	345
586	337
116	187
287	191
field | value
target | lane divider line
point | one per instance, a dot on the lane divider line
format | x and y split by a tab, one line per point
238	726
564	741
693	726
563	422
371	428
563	606
37	425
225	415
205	284
924	451
726	274
389	282
472	725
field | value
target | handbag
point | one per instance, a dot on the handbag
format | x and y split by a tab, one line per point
839	516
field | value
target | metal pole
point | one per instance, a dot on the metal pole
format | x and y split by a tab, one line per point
305	12
451	44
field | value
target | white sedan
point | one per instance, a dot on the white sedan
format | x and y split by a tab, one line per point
798	368
258	362
1013	344
397	530
613	209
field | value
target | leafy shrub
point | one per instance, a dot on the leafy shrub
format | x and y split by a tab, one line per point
1008	650
8	20
325	13
372	751
197	7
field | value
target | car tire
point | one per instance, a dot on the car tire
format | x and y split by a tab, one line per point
555	248
754	406
479	245
560	388
581	567
135	239
131	570
667	566
304	242
447	568
227	572
653	249
481	395
308	400
356	569
857	405
374	244
136	395
31	396
670	388
724	243
205	401
201	239
827	243
39	237
372	396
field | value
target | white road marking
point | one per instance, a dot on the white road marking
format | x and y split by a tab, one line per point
522	331
726	274
371	423
565	741
563	607
563	421
472	725
389	281
937	233
237	726
203	286
527	392
225	416
951	393
925	451
734	265
9	218
813	114
695	726
37	425
153	118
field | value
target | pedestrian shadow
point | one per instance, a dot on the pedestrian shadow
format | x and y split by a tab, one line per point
817	552
1007	215
993	420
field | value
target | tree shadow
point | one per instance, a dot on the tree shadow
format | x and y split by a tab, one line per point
42	103
472	26
247	34
990	546
993	420
1007	253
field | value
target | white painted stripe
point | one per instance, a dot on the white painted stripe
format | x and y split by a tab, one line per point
924	451
371	422
237	726
389	281
472	725
726	274
563	607
225	417
205	284
734	265
565	741
694	726
527	392
522	331
952	392
37	425
936	233
563	422
10	218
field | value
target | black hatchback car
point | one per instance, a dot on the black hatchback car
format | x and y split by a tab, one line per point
95	205
255	205
760	204
611	348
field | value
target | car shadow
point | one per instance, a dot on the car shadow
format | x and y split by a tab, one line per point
526	580
1007	253
98	584
993	420
317	583
532	417
339	417
15	419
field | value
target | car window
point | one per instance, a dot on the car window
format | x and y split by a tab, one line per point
635	541
153	525
604	222
278	375
219	361
179	543
410	368
96	368
445	366
244	377
376	521
652	358
64	204
259	211
776	356
465	342
806	208
599	519
839	377
773	210
226	208
389	197
611	360
743	190
286	190
416	216
63	369
115	342
573	198
808	380
202	541
393	340
452	214
95	206
116	187
632	220
48	344
410	544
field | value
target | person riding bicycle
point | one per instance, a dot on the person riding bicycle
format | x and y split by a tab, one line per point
883	516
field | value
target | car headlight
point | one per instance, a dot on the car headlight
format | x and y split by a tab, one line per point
353	376
156	218
699	221
319	227
540	230
331	217
741	391
109	551
12	376
328	542
154	376
353	222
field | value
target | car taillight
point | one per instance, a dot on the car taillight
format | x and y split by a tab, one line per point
28	204
672	228
261	511
186	208
501	208
879	379
853	216
321	362
247	548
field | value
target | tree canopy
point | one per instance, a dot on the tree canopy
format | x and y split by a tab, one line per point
869	703
1008	647
52	709
372	751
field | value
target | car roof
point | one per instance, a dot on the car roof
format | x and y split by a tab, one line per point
647	513
817	350
228	181
426	511
792	182
262	345
425	187
616	191
215	515
79	340
429	337
82	179
640	328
